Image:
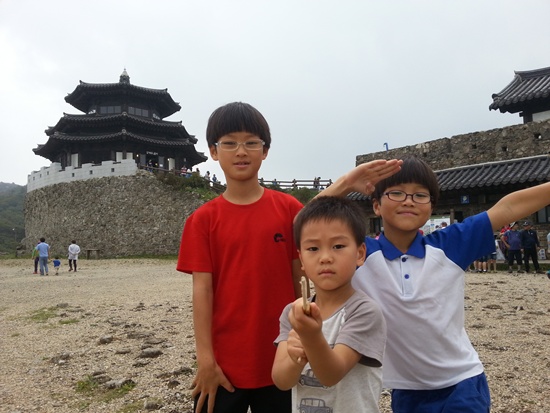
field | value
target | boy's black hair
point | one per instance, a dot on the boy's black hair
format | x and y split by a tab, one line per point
330	208
413	170
237	117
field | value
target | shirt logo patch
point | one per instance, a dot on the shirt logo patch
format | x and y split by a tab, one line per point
279	237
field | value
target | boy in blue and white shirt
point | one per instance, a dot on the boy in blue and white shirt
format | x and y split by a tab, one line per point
418	282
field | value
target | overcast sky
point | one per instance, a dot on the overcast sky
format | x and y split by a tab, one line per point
335	79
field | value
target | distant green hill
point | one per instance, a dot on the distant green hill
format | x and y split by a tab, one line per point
12	218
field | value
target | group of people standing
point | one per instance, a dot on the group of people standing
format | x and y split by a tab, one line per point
522	246
187	172
41	256
386	313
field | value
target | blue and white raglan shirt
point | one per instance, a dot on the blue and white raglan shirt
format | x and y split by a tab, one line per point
421	294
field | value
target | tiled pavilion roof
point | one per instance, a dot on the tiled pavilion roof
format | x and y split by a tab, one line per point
526	89
86	93
533	169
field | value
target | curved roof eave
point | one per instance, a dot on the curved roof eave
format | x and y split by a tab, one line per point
55	142
526	88
122	119
84	93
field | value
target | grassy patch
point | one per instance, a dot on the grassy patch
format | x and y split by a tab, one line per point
91	388
69	321
43	315
132	407
112	394
83	405
87	386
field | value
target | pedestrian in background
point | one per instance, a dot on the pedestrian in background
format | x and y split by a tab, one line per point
74	250
512	240
35	258
43	255
56	265
530	244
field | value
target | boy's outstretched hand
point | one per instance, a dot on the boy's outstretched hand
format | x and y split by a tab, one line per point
363	178
305	324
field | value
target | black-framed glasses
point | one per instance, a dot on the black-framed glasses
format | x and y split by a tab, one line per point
417	197
230	146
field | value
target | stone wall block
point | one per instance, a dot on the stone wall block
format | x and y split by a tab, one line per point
121	216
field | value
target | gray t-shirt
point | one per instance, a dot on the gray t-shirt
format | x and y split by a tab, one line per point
360	325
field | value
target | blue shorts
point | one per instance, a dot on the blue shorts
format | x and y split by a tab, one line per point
468	396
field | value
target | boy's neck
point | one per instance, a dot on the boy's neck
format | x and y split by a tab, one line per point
243	192
403	240
330	301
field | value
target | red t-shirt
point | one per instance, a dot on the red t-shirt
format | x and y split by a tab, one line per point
249	251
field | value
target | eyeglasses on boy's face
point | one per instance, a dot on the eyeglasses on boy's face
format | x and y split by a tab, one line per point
417	197
251	145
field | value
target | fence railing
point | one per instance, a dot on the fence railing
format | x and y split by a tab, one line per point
316	183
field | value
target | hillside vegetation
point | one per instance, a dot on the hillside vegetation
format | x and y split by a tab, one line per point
12	220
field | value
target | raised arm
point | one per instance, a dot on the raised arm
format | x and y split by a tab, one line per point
330	365
519	204
363	177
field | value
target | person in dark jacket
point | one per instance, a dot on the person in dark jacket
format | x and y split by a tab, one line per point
530	245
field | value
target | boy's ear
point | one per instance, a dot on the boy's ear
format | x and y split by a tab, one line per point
376	207
301	262
361	254
213	152
266	150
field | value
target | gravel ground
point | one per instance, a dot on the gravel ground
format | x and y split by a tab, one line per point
117	337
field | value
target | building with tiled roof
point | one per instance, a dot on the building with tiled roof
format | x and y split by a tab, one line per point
527	94
475	170
121	121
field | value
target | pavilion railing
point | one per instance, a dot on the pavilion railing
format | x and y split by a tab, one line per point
316	183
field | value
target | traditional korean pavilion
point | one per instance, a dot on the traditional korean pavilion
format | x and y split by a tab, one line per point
527	94
120	121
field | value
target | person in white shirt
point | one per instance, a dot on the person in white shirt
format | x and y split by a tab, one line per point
74	250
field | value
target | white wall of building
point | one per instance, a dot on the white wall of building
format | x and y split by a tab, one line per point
540	116
54	174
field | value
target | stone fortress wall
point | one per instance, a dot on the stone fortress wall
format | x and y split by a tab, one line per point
120	215
511	142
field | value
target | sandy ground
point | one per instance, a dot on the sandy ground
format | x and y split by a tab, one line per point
129	321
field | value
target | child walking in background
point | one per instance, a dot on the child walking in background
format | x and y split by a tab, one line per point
418	281
331	357
56	265
35	258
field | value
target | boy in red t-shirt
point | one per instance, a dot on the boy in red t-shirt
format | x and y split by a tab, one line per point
240	249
